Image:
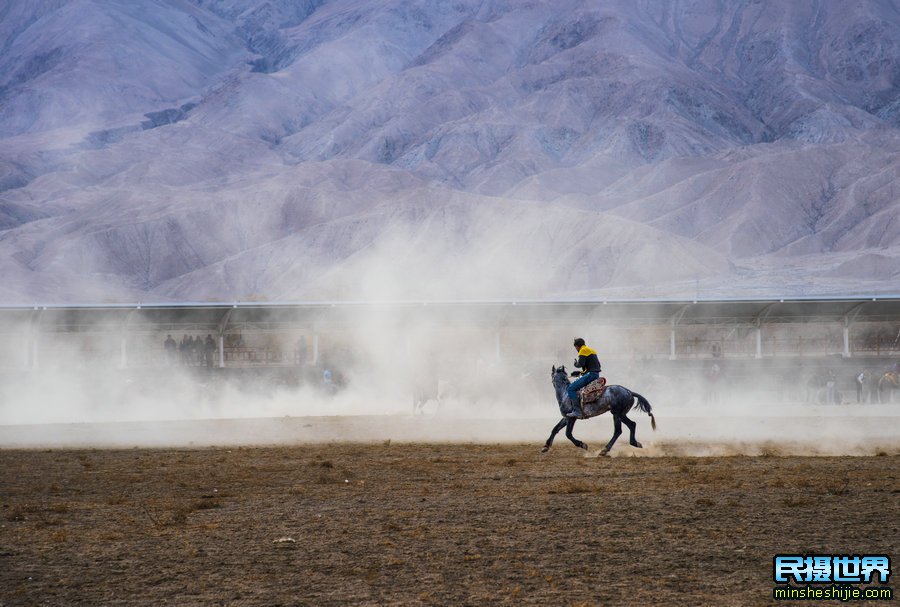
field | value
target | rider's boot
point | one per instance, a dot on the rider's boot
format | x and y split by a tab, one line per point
577	410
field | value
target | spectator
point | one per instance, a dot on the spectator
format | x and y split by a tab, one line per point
197	348
328	381
210	350
185	349
861	381
830	392
300	352
712	378
811	384
870	393
171	350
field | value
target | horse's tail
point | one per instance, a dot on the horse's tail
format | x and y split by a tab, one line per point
644	405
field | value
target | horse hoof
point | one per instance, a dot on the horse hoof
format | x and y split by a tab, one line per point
604	453
584	446
544	449
637	445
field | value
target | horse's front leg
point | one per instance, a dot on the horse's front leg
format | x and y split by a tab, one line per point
570	423
553	433
617	431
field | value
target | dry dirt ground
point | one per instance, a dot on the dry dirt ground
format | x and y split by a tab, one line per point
425	524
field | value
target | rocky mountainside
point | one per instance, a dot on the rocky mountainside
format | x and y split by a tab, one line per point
401	149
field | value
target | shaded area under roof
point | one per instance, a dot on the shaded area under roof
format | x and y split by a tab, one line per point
636	312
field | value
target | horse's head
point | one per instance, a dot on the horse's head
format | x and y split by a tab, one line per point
559	377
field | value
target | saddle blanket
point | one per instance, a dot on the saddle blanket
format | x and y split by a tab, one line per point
591	395
593	391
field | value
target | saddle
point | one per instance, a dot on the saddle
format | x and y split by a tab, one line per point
593	391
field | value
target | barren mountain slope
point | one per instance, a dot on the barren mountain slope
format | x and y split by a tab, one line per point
277	149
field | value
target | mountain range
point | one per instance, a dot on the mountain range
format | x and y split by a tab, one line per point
234	150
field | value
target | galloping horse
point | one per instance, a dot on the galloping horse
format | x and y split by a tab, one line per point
616	399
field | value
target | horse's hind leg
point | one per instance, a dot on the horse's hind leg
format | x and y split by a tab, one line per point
553	433
617	430
632	427
570	423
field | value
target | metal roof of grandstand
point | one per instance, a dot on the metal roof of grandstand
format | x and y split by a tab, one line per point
637	311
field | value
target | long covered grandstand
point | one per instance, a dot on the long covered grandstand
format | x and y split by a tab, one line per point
800	342
262	333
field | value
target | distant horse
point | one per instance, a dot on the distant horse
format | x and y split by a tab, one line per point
887	383
616	399
430	390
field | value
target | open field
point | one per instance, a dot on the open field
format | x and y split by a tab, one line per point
773	430
384	523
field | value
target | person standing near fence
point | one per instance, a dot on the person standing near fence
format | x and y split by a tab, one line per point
301	352
210	350
712	379
830	389
171	350
185	349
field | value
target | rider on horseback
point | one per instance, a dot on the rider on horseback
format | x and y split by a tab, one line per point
590	365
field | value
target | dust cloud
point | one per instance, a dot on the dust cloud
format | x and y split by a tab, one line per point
437	334
411	372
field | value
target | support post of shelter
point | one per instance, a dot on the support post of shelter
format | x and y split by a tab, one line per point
123	352
497	343
223	325
849	317
673	322
315	356
758	321
34	335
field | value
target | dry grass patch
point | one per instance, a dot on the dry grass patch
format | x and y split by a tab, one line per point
574	486
796	501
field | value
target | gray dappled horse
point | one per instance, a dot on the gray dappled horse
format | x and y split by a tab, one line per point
618	400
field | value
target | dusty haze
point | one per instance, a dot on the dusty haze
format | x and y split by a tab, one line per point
398	150
472	390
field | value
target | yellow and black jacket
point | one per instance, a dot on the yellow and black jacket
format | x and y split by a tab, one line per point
588	360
